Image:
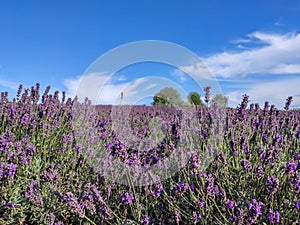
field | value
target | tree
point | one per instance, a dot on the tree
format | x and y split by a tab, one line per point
221	100
167	96
195	99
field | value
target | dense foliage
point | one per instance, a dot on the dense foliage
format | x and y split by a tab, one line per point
221	100
45	177
195	99
167	96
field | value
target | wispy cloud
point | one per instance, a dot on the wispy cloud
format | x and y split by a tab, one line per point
101	89
273	91
9	84
179	74
96	86
279	22
251	69
278	55
150	86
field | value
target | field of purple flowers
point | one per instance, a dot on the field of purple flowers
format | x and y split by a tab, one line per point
46	176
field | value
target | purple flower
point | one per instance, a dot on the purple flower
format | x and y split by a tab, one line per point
192	187
157	190
288	102
211	188
195	163
2	169
207	93
68	138
267	105
128	198
296	156
273	184
260	171
144	128
49	175
196	217
246	164
74	204
11	169
25	119
238	218
177	216
254	210
244	102
63	148
265	138
298	132
51	218
30	149
231	204
202	203
291	166
297	204
222	158
274	217
145	219
32	195
10	204
180	188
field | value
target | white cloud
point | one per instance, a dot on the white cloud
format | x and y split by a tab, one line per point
111	94
286	69
260	53
121	78
96	86
150	86
9	84
273	91
241	41
198	71
71	85
279	55
100	88
180	74
278	23
240	46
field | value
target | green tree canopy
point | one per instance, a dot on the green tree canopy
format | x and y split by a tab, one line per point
167	96
195	99
221	100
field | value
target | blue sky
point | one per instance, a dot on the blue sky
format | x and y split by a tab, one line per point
251	46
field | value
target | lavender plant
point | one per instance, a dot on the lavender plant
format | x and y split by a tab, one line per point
46	174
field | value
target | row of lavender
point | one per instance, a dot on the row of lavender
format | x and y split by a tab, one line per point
47	175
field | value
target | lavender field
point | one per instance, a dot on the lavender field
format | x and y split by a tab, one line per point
47	177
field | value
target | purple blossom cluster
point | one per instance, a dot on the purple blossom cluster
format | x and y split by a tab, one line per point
274	217
73	203
145	219
211	188
180	188
246	164
32	194
50	175
273	184
46	169
7	169
231	204
254	211
158	188
128	198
